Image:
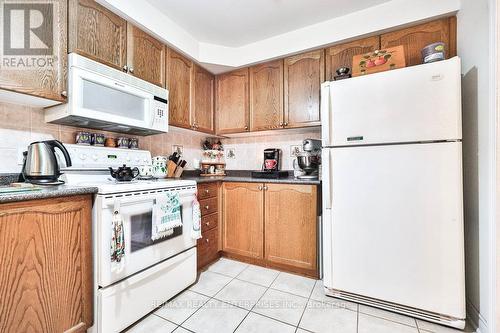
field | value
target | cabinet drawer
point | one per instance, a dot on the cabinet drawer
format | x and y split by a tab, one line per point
209	221
208	190
207	247
208	206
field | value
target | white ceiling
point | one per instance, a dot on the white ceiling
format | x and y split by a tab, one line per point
236	23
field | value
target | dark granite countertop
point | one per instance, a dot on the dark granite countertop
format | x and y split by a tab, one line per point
44	193
245	177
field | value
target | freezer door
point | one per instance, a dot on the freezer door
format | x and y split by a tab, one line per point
395	229
414	104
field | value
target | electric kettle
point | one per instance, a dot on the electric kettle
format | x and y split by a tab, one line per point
40	162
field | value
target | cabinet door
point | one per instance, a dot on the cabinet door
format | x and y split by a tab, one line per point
303	75
97	33
243	213
266	96
232	104
180	73
146	56
46	265
414	39
203	100
41	75
291	226
341	55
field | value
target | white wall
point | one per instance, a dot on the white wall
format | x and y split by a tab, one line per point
479	144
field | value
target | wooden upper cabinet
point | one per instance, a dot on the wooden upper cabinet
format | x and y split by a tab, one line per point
414	39
232	102
303	75
49	79
266	96
46	265
291	226
97	33
180	73
146	56
341	55
242	210
203	100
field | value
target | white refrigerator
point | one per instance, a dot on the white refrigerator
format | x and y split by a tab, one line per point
393	234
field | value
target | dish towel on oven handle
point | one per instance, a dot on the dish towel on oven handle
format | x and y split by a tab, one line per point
166	215
117	235
196	231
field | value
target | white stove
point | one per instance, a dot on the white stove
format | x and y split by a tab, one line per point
151	271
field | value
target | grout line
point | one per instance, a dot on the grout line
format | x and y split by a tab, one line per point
307	303
208	300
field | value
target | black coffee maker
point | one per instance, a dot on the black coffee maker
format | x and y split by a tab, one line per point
271	165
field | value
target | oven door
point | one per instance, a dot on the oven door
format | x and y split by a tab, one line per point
141	252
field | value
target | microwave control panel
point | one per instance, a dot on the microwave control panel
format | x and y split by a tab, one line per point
160	109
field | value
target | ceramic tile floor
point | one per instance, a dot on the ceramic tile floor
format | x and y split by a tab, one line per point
231	296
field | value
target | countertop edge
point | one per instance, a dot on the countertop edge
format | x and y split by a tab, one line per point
235	179
56	192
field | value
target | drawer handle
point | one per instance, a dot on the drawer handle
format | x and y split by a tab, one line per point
207	224
208	241
207	207
207	191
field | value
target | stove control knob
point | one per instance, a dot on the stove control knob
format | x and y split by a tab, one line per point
95	157
83	156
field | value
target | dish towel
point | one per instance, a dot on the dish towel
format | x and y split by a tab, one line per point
166	215
117	235
196	231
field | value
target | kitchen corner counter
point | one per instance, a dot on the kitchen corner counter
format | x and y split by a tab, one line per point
245	177
47	192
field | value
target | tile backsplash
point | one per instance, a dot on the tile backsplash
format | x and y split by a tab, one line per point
249	151
20	125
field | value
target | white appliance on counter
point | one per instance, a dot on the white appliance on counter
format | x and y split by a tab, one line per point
393	233
105	98
151	272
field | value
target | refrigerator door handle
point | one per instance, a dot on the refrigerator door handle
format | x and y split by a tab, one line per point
327	180
325	113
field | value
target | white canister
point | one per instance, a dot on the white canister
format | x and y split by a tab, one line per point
160	166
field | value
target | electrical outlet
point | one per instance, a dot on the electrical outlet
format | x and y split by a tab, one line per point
230	153
178	148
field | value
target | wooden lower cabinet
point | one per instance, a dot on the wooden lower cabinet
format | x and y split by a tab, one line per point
46	265
208	245
243	216
291	226
273	225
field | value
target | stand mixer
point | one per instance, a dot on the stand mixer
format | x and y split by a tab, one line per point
310	159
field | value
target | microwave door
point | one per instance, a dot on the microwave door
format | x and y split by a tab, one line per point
105	99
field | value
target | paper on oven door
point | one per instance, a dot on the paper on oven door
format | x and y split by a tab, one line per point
166	215
117	235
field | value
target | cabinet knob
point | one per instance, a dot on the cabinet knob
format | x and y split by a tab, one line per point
281	124
207	207
260	188
285	124
125	68
64	93
131	70
246	128
207	191
265	188
207	224
207	240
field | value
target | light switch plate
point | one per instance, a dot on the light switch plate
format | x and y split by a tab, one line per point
295	150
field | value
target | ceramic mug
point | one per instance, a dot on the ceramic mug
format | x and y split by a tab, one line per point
146	170
160	166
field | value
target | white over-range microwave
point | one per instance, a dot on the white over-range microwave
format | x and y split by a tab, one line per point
107	99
